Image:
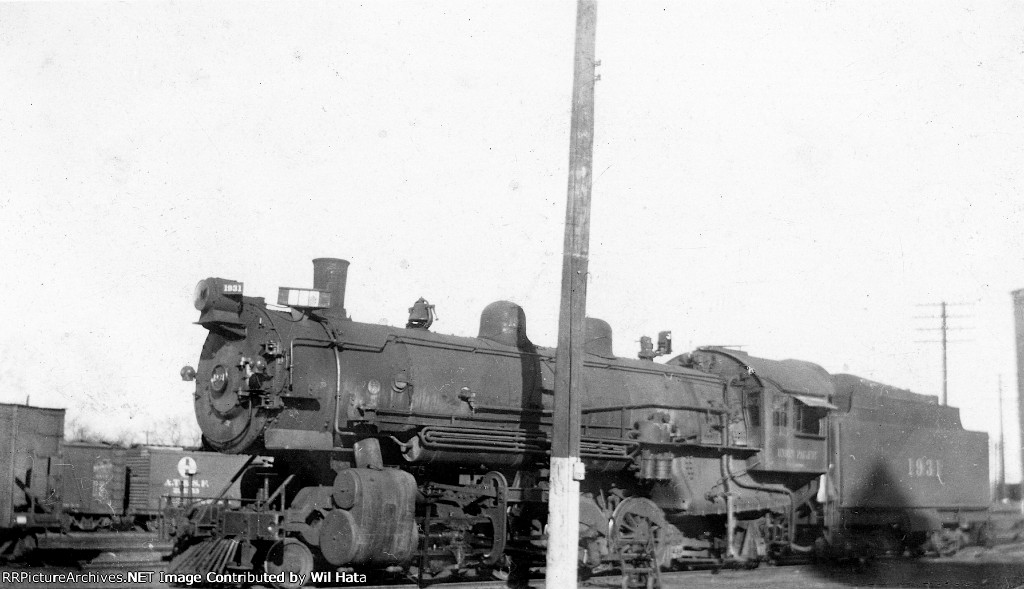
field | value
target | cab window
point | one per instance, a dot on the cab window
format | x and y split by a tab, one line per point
754	408
780	412
808	419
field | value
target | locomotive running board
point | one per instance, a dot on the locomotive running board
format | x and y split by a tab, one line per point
468	439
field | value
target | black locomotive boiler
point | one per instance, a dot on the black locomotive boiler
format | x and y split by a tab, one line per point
409	450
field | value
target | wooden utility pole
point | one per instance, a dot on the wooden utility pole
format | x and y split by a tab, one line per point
566	470
1001	481
1018	323
945	373
944	327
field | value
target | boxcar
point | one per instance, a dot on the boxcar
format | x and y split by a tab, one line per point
93	484
161	476
30	449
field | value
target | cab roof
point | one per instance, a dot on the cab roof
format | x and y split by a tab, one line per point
797	377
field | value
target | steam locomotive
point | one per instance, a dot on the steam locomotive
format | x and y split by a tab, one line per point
406	450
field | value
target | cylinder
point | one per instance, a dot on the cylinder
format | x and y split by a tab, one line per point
331	274
374	522
1018	323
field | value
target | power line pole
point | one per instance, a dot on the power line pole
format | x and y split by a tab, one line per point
1018	317
945	329
1001	485
945	372
566	470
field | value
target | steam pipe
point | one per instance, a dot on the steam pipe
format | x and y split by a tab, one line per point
779	489
730	509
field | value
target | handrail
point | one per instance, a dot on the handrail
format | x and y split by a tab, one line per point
238	474
722	414
279	491
714	410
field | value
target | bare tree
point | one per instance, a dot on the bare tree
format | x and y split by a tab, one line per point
77	430
175	431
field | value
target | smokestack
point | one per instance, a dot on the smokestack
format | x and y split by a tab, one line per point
1018	323
331	274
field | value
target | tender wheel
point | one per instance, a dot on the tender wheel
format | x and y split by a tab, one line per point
87	524
946	543
24	547
982	536
293	558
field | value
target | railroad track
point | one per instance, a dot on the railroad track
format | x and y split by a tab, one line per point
611	579
1007	571
607	579
115	551
890	573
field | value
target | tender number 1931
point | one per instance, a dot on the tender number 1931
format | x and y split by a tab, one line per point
924	467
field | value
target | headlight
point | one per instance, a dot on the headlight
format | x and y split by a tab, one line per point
219	380
219	303
213	293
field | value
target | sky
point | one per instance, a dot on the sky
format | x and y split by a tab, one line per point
799	178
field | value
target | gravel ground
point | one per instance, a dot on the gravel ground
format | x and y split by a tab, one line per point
982	569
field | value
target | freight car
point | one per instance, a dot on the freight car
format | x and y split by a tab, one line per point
110	487
54	491
31	440
404	449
